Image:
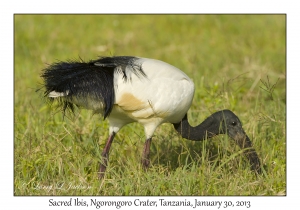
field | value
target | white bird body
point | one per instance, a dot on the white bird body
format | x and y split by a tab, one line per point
164	95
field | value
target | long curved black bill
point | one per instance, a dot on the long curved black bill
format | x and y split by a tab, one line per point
244	143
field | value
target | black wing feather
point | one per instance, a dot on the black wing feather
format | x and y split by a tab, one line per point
93	79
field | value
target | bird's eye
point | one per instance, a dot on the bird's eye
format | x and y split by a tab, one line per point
233	123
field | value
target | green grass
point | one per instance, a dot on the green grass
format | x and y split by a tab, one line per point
237	62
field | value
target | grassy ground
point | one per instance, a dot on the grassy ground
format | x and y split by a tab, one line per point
237	62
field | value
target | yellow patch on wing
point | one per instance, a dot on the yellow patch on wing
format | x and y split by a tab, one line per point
137	109
130	103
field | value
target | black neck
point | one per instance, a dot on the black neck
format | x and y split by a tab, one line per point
207	129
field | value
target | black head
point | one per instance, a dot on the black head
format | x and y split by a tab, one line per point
226	122
221	122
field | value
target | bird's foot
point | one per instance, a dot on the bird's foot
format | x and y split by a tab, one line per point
145	163
103	165
102	170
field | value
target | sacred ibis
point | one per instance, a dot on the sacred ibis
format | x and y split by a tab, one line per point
126	89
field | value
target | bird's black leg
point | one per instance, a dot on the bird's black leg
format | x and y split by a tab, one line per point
105	154
146	154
